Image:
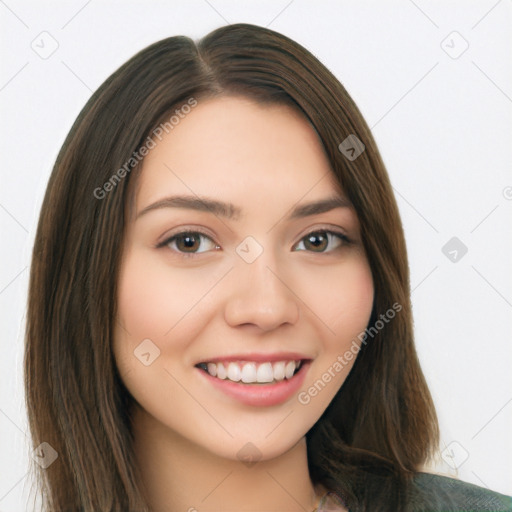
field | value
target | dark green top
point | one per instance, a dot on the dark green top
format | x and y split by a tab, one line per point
436	493
449	495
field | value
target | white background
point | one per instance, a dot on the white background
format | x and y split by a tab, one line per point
443	126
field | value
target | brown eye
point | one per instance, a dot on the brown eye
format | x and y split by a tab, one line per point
191	242
316	241
188	243
319	241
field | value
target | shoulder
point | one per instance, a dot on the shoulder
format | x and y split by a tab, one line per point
441	493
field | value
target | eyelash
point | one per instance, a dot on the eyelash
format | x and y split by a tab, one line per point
343	238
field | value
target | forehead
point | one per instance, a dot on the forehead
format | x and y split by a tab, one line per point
236	148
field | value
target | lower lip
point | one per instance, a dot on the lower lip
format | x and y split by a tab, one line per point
262	395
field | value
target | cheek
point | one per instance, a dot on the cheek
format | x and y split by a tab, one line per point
345	301
347	309
154	299
159	312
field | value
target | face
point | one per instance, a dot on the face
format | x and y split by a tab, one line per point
244	283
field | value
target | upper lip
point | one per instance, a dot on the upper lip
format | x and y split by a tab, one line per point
257	357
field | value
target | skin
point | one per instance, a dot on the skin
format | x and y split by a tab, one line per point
265	160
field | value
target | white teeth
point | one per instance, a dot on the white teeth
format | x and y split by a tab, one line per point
289	370
212	369
234	372
265	373
279	370
251	372
221	371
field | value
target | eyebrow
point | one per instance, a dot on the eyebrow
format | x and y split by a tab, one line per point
230	211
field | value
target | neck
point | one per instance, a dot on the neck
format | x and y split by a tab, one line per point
180	476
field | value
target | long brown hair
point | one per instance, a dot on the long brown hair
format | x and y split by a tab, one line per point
381	426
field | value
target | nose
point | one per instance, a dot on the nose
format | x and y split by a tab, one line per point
261	296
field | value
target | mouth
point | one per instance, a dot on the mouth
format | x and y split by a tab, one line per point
252	372
255	383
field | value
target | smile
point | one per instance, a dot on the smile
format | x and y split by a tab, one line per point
250	372
256	383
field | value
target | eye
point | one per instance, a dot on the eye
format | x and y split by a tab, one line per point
322	241
195	242
190	242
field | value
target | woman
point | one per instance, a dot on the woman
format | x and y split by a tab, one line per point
219	314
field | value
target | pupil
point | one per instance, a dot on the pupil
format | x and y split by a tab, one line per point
188	242
317	240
